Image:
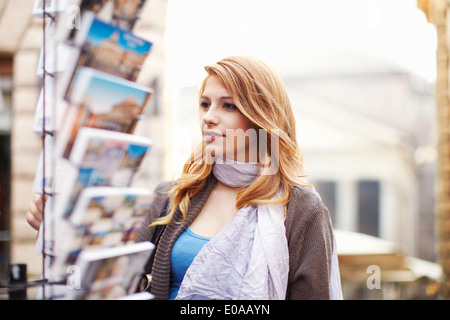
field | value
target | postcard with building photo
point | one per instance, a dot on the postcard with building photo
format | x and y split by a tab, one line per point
111	273
121	13
101	158
107	48
103	217
99	100
118	205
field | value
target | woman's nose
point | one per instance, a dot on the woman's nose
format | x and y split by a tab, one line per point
210	116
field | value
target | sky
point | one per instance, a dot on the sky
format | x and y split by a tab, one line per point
298	37
200	32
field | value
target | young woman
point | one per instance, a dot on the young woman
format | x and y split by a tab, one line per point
241	222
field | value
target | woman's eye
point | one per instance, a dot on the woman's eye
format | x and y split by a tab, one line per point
230	106
204	105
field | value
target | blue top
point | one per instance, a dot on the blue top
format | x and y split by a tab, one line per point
184	251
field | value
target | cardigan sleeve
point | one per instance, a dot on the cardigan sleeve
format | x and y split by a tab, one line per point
311	248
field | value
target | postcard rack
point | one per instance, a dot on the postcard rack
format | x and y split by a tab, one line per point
89	106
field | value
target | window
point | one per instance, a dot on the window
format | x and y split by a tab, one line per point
5	164
5	101
368	207
327	191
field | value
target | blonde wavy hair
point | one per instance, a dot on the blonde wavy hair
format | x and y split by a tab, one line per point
260	95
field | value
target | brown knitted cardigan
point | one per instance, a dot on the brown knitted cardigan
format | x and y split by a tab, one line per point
309	235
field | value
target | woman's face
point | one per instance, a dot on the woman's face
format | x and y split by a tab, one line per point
225	130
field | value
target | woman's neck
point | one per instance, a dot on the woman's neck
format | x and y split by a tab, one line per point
235	174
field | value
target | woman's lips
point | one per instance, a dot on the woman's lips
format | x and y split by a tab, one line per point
211	136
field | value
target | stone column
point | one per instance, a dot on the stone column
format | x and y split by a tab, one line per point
437	13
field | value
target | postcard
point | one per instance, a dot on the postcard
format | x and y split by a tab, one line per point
111	273
107	48
103	217
99	100
102	158
57	54
123	14
47	120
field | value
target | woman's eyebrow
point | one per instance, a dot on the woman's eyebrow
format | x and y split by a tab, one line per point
221	98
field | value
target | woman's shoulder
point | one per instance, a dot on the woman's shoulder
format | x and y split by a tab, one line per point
163	187
305	204
305	198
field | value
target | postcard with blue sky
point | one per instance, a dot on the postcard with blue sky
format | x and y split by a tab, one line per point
104	91
101	31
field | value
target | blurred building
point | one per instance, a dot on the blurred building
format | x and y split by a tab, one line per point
366	128
374	268
21	37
